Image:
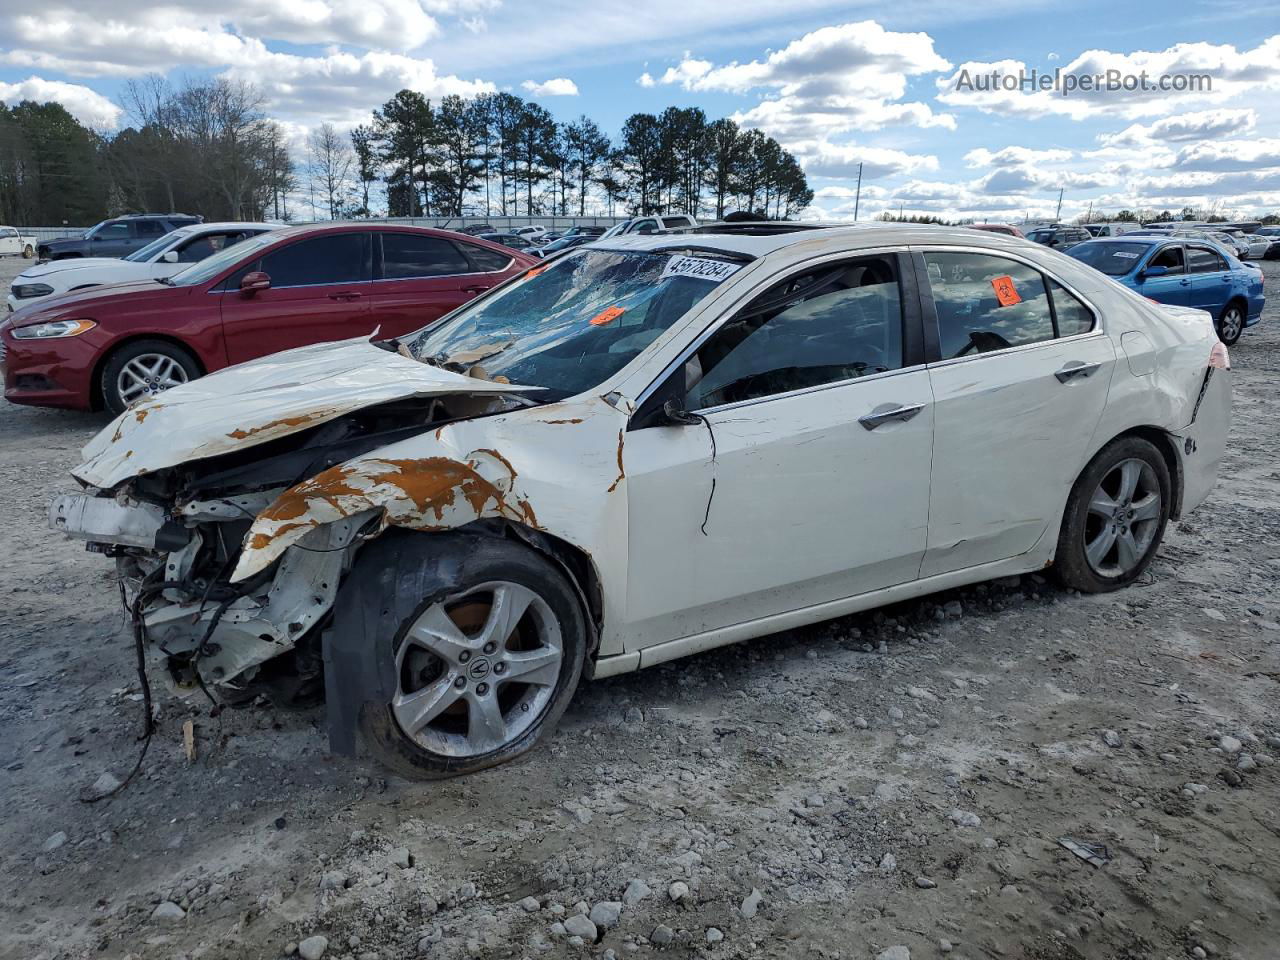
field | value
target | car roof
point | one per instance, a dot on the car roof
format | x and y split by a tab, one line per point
849	236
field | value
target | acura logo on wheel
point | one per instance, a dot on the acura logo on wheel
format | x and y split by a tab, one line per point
479	669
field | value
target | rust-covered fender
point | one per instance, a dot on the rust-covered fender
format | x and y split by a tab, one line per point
556	469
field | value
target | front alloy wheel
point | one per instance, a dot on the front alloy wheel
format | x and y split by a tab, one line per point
479	642
476	669
147	375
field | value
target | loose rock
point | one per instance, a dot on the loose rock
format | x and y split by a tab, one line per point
313	948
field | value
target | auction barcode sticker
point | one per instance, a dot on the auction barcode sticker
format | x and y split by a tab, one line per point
700	268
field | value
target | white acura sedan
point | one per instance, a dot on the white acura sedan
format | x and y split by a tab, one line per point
162	257
639	450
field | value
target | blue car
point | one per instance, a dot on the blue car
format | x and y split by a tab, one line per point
1184	273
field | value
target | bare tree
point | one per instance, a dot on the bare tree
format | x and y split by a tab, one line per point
331	161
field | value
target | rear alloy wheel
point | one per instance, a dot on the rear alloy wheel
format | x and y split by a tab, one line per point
28	252
146	368
1115	517
1231	324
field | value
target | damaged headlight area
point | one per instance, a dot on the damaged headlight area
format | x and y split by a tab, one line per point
177	533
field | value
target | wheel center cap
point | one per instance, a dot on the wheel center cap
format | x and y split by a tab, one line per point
478	669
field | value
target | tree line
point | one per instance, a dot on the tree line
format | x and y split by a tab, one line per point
210	148
499	154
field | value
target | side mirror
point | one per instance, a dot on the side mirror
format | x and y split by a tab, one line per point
1153	272
169	257
675	413
254	281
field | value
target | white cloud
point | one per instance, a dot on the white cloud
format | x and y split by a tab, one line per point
831	81
87	106
1011	156
1231	73
820	158
556	87
96	37
339	86
1182	127
1225	155
645	80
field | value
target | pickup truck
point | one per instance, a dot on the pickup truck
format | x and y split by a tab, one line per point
16	244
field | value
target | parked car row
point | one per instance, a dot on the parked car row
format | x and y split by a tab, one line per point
272	290
164	257
1185	272
115	237
595	466
14	243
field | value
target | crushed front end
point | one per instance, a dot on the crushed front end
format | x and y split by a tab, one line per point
177	533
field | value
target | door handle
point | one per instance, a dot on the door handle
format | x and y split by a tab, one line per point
345	297
878	418
475	288
1076	369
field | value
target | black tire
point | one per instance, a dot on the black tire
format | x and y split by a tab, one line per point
1229	332
111	370
405	574
28	252
1071	564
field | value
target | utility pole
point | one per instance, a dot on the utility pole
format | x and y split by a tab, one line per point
1058	214
1088	217
858	195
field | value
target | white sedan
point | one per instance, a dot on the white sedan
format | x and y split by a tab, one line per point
640	450
163	257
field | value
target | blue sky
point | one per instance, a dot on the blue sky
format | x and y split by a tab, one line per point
837	83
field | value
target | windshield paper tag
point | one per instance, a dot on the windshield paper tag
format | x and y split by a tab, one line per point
1123	255
1006	292
607	315
700	268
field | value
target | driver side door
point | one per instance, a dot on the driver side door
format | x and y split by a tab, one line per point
803	474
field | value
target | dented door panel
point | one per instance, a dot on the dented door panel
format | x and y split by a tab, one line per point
1010	439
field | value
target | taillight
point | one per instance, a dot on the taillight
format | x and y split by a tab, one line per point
1219	358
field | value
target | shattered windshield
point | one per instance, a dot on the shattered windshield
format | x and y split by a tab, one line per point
573	323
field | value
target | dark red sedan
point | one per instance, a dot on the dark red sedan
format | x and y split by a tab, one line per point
109	346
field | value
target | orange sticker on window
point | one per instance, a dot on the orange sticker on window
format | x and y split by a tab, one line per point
607	315
1006	292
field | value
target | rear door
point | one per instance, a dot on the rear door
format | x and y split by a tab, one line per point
1210	278
9	241
421	277
1020	371
142	232
320	290
1174	287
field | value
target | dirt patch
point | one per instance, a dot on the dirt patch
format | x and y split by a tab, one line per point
897	778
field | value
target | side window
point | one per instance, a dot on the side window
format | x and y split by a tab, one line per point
987	303
1170	257
838	322
337	258
485	260
646	226
196	249
406	256
149	229
112	231
1070	315
1204	260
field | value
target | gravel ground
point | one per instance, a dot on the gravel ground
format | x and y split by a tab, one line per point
889	785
